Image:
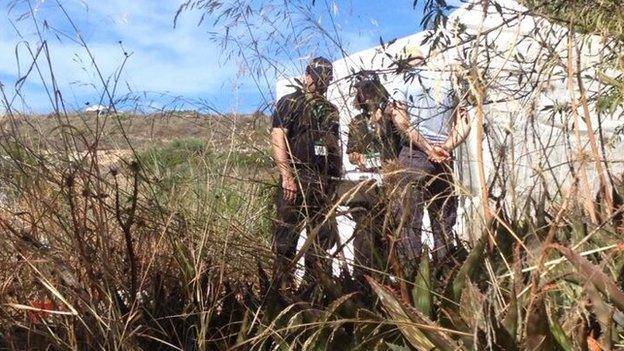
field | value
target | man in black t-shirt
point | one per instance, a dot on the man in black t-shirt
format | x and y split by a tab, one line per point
306	149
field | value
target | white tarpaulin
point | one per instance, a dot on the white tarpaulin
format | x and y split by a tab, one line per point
536	127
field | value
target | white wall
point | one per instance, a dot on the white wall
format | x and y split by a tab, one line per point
534	148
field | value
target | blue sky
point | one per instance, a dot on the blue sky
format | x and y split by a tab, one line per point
167	67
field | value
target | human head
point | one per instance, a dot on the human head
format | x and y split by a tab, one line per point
369	92
318	75
413	56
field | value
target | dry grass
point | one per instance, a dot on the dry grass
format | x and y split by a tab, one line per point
166	247
130	251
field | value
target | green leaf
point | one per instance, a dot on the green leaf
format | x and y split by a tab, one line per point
470	306
560	335
511	318
538	335
469	269
502	338
421	293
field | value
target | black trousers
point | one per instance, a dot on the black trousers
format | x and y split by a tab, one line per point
314	199
369	244
421	185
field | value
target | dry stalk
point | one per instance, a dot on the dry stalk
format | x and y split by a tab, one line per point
585	188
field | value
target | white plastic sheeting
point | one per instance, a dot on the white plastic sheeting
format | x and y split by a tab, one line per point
528	148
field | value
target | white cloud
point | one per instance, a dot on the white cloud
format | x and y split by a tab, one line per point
181	61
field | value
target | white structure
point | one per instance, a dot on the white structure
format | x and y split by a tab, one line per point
529	146
97	109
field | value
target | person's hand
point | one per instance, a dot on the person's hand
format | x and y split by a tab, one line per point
378	114
447	145
289	189
357	159
437	154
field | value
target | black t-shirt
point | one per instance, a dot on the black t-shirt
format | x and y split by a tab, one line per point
369	138
312	125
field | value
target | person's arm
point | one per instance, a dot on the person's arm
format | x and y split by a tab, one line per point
459	131
398	111
280	151
279	146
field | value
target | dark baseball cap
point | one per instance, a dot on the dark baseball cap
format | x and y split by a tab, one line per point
320	68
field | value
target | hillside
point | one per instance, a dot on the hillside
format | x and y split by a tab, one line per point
120	131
